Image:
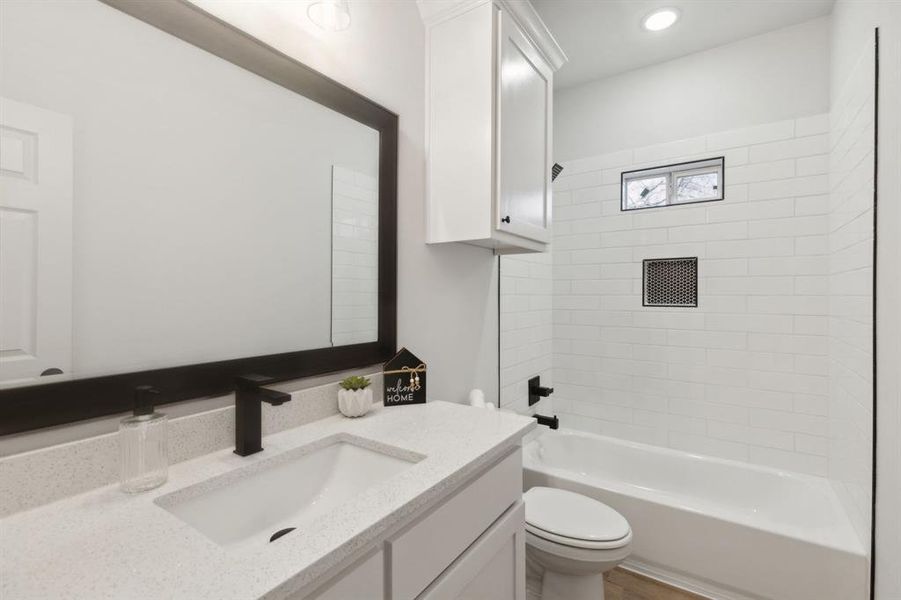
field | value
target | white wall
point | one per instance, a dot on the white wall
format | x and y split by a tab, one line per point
743	375
853	24
778	75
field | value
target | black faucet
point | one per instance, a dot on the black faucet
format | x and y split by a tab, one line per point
552	422
249	396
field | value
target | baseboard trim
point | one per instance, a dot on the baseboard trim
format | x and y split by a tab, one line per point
699	587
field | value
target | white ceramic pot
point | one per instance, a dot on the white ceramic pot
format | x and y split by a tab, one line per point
354	403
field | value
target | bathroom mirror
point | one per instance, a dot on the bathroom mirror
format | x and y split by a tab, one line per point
178	197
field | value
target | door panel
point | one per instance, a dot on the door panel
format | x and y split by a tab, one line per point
363	581
35	241
492	568
524	135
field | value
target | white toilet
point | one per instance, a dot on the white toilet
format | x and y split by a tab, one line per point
571	541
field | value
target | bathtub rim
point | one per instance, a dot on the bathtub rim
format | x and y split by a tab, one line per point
845	537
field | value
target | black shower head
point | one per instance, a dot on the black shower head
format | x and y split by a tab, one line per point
555	170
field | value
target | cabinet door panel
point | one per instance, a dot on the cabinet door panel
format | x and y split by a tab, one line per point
493	568
525	93
363	581
422	552
496	580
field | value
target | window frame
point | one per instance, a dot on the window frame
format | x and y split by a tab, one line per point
671	172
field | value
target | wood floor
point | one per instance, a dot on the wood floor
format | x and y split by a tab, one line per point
625	585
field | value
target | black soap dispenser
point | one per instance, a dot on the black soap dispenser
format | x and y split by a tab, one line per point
143	444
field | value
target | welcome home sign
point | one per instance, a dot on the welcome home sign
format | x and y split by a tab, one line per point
404	377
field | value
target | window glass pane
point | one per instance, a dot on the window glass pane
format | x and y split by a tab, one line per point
669	185
646	192
699	186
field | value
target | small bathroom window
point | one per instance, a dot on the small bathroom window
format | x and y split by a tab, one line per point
683	183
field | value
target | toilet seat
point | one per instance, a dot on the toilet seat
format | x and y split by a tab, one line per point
577	543
573	520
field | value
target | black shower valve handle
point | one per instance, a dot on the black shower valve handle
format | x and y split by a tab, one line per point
538	391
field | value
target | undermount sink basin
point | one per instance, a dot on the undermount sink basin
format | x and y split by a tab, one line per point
289	490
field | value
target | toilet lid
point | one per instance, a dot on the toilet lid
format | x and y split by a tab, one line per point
572	516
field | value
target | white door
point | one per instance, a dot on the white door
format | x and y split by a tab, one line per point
525	85
35	241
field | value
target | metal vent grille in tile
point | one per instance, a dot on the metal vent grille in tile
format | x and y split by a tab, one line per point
671	282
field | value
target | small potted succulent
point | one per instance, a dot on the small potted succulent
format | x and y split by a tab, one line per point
355	396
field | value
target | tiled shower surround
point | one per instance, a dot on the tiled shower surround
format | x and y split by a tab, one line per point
743	375
773	366
851	291
526	326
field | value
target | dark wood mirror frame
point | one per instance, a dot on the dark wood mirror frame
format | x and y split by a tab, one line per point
44	405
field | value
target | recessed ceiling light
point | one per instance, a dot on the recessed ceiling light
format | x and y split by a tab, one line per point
660	19
331	15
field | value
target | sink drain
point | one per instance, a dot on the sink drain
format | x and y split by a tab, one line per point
280	533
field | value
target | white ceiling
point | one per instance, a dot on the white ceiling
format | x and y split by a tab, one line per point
605	37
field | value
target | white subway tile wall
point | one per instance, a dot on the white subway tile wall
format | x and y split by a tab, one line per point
850	281
742	376
526	329
355	267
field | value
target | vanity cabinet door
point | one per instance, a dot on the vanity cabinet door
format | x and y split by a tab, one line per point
362	581
525	92
493	568
422	552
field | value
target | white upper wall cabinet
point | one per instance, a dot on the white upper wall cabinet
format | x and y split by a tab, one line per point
489	94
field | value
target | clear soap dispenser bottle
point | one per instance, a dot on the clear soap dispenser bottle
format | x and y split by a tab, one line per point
143	445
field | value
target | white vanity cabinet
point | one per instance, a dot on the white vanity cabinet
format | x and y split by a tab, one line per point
489	95
470	545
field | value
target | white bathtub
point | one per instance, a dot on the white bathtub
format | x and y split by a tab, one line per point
721	528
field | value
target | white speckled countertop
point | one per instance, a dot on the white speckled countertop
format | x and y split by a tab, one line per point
105	544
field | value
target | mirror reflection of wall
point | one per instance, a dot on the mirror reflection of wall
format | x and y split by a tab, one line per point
160	205
355	248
